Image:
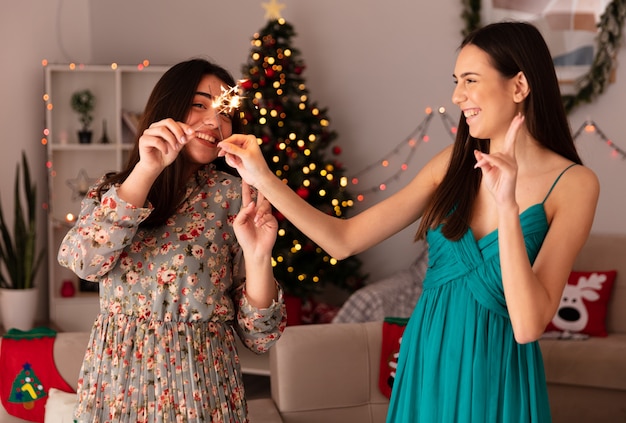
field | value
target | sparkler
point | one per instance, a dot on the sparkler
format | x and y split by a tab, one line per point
229	99
227	102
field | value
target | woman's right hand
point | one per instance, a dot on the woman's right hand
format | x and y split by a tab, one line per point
161	143
243	153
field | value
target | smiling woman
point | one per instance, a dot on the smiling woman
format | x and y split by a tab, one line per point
586	66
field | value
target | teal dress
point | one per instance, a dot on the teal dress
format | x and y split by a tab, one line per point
459	361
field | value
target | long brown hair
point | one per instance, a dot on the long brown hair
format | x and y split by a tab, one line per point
172	97
512	47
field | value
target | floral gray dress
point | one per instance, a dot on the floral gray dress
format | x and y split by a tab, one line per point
162	348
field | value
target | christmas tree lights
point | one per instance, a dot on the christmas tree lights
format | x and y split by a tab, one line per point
295	137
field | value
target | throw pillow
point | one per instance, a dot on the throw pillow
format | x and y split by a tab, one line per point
584	303
393	328
60	407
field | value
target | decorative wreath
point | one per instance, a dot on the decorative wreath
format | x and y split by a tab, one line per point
594	82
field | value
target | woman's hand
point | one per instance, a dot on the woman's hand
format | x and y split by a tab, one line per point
244	154
255	226
500	168
161	143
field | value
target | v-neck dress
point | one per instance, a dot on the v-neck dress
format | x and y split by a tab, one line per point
162	348
459	361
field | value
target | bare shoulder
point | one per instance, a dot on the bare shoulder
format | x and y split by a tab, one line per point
580	180
570	211
575	197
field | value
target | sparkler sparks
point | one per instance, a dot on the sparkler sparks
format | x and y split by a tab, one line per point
224	104
228	101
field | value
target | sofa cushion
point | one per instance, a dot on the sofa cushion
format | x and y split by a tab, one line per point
593	362
328	373
60	407
584	303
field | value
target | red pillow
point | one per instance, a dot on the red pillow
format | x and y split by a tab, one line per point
584	303
393	328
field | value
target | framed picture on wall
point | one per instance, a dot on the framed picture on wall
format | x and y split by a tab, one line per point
569	27
583	36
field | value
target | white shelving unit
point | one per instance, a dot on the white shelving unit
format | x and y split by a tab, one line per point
73	166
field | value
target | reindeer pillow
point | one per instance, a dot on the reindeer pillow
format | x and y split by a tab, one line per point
584	304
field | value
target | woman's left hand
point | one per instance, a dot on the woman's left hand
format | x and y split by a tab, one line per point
255	226
500	168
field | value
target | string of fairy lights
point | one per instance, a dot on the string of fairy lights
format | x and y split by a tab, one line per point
229	100
589	126
409	145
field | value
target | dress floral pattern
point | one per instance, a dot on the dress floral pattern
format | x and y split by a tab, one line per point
163	348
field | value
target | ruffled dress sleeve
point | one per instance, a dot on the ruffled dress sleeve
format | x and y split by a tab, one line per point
259	328
105	226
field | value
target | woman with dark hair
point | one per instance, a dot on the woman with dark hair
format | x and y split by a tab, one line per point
505	210
181	251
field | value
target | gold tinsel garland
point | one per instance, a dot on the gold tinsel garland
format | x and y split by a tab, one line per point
609	37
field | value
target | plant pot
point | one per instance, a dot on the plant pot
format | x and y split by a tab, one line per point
84	137
18	308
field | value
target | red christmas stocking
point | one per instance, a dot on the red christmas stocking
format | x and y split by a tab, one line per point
393	329
27	372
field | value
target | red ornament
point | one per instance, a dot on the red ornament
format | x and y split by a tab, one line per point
279	216
246	84
303	193
336	151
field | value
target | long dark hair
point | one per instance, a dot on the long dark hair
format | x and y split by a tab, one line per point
172	97
512	47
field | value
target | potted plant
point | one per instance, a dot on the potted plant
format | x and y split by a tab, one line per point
18	256
83	103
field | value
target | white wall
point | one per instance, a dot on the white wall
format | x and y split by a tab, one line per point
375	65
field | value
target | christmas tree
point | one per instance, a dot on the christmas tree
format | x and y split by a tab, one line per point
26	388
296	140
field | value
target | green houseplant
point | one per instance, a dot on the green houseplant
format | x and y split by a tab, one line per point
18	249
19	260
83	103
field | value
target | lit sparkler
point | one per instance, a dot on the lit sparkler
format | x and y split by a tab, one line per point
228	101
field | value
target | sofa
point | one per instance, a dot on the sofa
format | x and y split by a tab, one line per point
329	372
587	378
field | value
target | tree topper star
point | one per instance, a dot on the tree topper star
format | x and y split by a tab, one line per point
272	10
